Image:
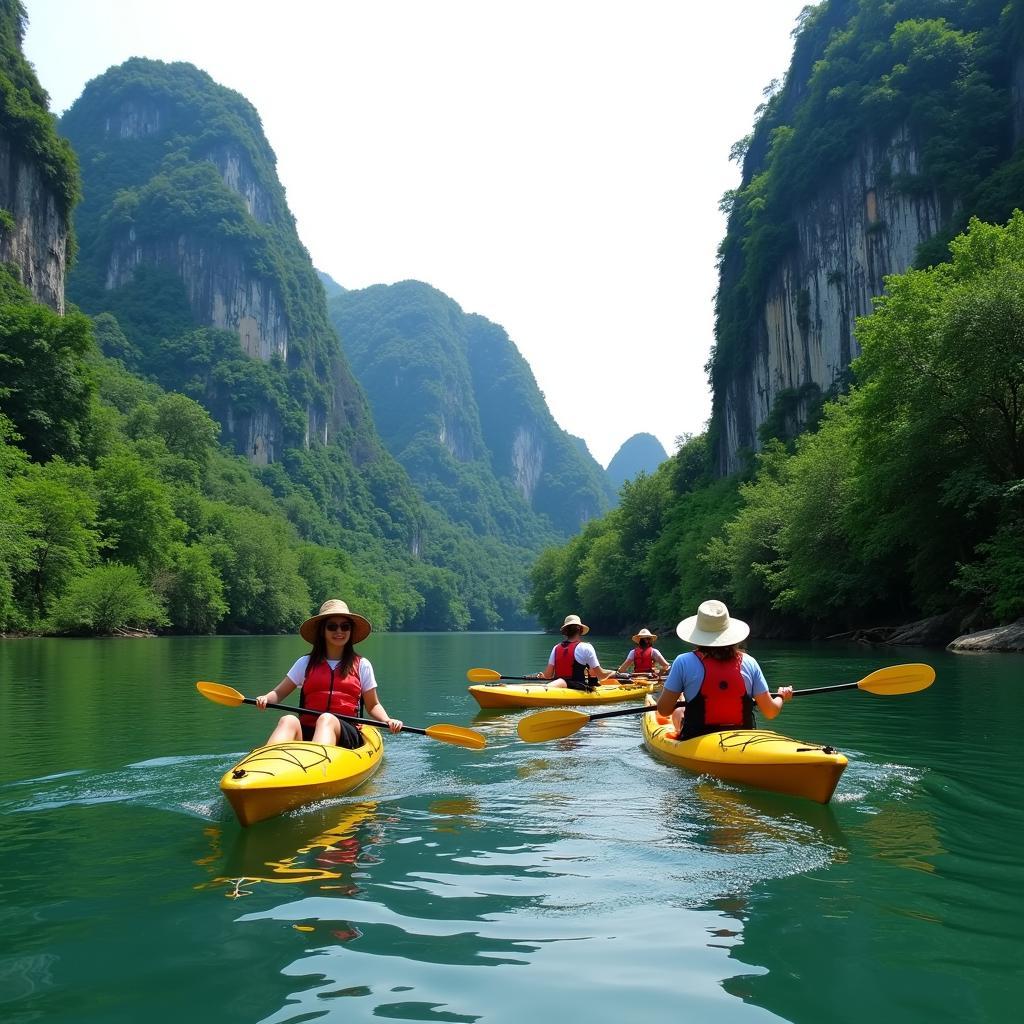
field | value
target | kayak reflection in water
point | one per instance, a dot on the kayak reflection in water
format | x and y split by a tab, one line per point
719	681
331	678
572	662
645	657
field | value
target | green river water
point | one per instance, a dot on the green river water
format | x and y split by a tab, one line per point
575	879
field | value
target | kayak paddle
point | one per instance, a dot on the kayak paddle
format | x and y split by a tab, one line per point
559	722
456	734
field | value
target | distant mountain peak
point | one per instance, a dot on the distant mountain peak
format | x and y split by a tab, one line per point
642	453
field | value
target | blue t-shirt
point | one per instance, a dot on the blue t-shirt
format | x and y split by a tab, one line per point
686	676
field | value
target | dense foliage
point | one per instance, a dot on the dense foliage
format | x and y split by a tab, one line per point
907	501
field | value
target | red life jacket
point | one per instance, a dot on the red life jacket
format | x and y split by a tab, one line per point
643	659
723	701
324	689
566	666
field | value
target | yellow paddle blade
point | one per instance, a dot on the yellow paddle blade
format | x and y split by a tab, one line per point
483	675
552	724
458	735
220	694
898	679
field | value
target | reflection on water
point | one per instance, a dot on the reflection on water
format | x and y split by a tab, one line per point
749	821
906	837
578	878
283	851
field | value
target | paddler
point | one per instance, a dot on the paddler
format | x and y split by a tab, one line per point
572	662
331	678
644	657
719	681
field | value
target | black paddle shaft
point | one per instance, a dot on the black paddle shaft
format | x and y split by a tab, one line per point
826	689
344	718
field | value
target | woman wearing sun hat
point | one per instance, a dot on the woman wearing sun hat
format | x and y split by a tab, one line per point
573	663
331	678
644	657
720	683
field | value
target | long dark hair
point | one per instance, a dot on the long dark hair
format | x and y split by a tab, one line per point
318	652
644	641
570	632
722	653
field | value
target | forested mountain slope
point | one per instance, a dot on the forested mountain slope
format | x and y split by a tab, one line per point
458	406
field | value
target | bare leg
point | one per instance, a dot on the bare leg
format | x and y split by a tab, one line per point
677	720
328	728
287	730
556	682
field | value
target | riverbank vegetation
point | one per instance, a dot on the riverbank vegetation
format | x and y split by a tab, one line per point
906	501
120	509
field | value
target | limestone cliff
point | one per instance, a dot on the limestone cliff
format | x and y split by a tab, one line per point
38	172
35	239
891	129
850	235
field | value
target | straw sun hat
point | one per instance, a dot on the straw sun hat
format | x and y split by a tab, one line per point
574	620
712	627
644	634
360	627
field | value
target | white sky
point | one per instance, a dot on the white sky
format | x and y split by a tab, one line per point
554	166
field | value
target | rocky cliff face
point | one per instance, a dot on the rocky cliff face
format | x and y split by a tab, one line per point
148	134
854	165
855	231
35	241
222	290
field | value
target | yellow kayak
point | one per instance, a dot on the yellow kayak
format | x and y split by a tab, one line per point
280	777
753	757
540	695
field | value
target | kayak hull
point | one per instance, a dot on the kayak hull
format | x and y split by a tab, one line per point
540	695
278	778
751	757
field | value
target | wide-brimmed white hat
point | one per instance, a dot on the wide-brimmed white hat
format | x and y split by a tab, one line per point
361	627
574	620
712	627
644	634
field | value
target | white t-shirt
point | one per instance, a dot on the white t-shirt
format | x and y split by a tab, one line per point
366	679
584	655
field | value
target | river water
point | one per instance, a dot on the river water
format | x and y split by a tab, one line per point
579	877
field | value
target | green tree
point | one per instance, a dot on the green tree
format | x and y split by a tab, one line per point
58	515
46	383
135	511
255	559
191	589
940	408
15	544
107	599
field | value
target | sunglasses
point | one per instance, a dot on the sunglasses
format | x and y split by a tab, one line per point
336	627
